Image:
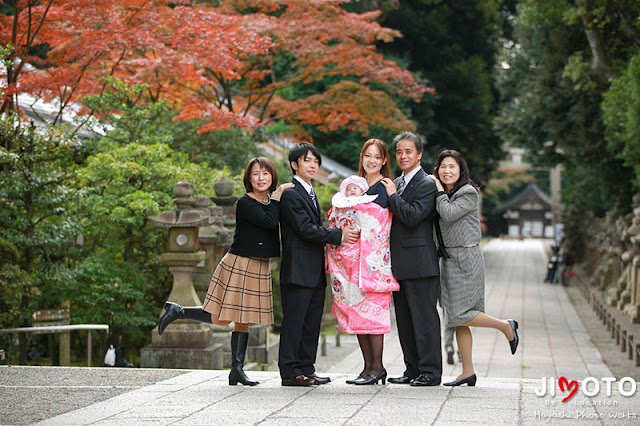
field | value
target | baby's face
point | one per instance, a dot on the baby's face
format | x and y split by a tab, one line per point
354	190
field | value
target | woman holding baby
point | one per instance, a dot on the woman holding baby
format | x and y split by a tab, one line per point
360	273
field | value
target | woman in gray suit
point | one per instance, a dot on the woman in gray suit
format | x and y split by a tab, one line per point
462	267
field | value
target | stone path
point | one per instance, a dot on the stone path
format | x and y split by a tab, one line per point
554	344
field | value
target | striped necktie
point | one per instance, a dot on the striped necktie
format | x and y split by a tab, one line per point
401	185
313	198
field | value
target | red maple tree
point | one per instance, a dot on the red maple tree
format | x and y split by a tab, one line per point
226	62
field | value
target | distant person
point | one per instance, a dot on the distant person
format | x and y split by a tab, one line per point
552	266
302	273
360	273
449	332
240	290
462	273
414	262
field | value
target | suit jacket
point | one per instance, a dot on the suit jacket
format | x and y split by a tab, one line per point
460	217
303	238
413	251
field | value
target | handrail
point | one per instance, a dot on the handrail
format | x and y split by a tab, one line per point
56	328
61	329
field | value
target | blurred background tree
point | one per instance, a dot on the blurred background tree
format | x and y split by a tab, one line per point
36	228
566	81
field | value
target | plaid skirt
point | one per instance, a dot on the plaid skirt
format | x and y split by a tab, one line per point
240	291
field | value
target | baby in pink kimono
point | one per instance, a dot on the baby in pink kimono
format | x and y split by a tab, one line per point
360	273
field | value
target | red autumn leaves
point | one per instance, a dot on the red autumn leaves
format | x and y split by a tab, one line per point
228	63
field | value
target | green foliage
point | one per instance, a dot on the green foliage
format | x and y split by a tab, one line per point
126	114
15	284
120	269
621	114
551	91
324	194
453	46
226	148
575	221
5	54
579	71
284	172
103	286
35	191
123	187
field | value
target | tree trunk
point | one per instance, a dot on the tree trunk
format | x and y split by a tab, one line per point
599	63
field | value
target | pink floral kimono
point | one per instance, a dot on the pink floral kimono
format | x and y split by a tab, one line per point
360	273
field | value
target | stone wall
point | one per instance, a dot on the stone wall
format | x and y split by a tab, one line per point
612	253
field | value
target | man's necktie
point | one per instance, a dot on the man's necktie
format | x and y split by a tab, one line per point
313	198
401	185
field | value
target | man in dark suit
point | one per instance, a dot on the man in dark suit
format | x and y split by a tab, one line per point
414	263
302	274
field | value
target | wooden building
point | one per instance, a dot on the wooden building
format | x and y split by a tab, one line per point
528	214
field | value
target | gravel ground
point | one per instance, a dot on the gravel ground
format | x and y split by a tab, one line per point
32	394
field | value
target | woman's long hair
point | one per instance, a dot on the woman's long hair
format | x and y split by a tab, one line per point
382	148
465	175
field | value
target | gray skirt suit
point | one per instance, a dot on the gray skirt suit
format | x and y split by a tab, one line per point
462	274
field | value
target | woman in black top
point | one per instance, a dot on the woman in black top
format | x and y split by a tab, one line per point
240	289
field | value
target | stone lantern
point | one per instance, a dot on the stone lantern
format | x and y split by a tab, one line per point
224	197
214	239
185	344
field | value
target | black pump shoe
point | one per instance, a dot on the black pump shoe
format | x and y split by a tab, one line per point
469	381
353	381
514	343
373	380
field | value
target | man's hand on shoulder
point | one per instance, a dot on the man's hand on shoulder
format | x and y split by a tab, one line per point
389	185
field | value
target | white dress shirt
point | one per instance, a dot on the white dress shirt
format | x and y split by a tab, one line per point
410	175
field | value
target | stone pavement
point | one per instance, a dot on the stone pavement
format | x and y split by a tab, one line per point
554	344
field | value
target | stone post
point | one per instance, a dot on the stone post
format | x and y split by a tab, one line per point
185	344
64	345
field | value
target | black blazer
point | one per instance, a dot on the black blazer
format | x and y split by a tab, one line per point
256	228
413	251
303	239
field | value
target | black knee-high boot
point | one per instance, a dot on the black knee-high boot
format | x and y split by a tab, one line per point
238	351
173	311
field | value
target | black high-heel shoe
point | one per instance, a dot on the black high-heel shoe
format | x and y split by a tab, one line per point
353	381
469	381
514	343
373	380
